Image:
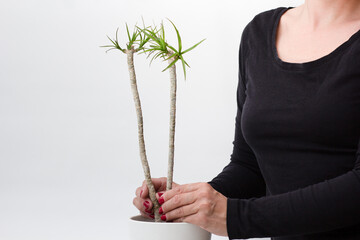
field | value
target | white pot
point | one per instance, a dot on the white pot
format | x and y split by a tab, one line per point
146	229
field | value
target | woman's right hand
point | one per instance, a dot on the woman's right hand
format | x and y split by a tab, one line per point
142	200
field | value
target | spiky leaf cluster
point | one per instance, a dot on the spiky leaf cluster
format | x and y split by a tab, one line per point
151	41
136	41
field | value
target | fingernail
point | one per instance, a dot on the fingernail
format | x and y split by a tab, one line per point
161	211
148	211
161	200
146	204
163	217
160	194
141	193
152	216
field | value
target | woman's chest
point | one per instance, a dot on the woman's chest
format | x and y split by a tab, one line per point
321	107
299	45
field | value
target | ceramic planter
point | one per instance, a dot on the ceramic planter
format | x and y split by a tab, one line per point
145	229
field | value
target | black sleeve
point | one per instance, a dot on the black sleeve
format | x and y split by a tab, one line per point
241	178
325	206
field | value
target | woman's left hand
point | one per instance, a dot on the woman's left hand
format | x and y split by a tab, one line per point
196	203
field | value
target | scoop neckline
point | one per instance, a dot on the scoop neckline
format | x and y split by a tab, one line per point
309	64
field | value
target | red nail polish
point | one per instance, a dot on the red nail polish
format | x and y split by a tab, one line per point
146	204
161	200
148	211
163	217
161	211
160	194
152	216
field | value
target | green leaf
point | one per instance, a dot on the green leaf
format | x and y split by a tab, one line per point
183	65
110	49
162	44
170	65
142	18
111	40
133	38
140	29
117	35
172	55
107	46
155	56
162	31
135	35
148	50
151	35
143	51
143	42
151	52
185	62
140	35
152	59
156	48
189	49
146	40
178	36
172	48
116	45
128	33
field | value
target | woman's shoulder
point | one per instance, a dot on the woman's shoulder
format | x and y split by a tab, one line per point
261	26
269	13
258	33
266	17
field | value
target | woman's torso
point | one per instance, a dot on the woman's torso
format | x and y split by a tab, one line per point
301	120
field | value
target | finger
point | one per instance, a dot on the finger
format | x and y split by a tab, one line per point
139	191
159	194
185	188
159	185
147	215
174	185
181	213
178	201
143	205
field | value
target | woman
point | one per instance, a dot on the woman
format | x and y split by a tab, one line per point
295	167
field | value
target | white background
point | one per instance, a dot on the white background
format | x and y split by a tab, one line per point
69	160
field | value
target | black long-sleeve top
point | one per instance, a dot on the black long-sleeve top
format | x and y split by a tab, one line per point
295	168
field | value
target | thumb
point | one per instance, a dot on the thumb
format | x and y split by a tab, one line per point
160	193
159	185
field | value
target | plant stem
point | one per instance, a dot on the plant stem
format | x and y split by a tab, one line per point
172	71
145	164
